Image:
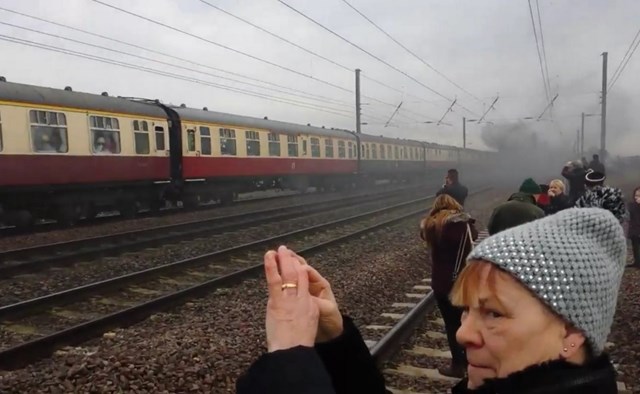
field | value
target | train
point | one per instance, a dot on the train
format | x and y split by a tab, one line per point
68	155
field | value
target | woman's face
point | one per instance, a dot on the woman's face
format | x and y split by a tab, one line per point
506	329
554	190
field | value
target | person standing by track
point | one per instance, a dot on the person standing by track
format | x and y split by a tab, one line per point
453	187
520	208
598	195
449	233
634	226
574	172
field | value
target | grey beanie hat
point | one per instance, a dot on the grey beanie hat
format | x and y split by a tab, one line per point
573	261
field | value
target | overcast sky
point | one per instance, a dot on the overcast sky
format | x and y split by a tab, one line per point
487	47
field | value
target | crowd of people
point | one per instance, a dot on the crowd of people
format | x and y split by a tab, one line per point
526	310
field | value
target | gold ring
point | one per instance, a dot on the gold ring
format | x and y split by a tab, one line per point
289	286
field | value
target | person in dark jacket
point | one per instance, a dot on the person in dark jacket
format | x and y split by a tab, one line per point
520	208
598	195
574	172
557	199
453	187
518	338
596	165
634	226
449	233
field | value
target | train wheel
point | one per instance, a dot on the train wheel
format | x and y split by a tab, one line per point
22	219
227	198
68	214
128	209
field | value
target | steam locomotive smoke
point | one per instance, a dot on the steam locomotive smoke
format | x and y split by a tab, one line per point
525	152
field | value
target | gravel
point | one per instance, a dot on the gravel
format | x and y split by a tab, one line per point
205	345
22	287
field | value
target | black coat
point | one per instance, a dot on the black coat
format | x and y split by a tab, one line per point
555	377
634	219
455	190
341	366
575	176
557	204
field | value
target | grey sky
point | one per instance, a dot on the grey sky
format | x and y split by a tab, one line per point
485	46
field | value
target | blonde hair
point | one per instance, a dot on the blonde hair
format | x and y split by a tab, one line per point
559	183
431	226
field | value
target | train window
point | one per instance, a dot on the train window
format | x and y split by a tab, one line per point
382	152
274	144
351	150
159	131
315	147
292	145
191	140
205	140
342	152
374	151
48	131
395	148
105	134
328	148
389	152
141	137
253	143
228	142
0	132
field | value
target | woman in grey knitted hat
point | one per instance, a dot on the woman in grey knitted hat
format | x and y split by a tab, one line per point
539	301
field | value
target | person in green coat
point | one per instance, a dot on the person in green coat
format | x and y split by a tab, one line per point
519	209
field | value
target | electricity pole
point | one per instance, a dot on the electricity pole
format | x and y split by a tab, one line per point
358	101
582	137
464	133
603	120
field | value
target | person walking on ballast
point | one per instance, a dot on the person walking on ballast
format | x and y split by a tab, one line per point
449	233
520	208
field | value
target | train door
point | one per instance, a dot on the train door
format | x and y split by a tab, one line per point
304	143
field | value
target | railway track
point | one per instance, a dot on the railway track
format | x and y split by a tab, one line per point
34	328
409	343
32	259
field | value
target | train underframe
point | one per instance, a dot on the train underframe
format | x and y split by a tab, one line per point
68	204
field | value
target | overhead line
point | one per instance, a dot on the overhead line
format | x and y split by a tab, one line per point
410	51
544	50
158	52
165	63
367	52
172	75
623	62
535	34
222	46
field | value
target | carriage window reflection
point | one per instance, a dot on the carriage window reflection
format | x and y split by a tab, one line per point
48	131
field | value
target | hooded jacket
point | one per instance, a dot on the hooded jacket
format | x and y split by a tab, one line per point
557	204
605	197
519	209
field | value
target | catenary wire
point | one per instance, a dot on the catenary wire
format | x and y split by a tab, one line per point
159	52
172	75
368	53
168	64
409	50
535	34
222	46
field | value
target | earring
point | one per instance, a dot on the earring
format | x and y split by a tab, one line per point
573	345
565	350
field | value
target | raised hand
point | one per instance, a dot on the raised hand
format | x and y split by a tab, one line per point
292	313
330	324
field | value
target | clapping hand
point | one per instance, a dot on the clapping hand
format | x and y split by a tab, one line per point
292	313
301	306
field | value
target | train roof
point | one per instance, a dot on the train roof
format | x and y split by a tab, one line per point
388	140
37	95
201	115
